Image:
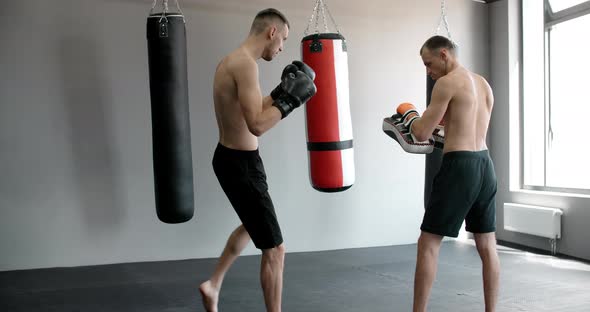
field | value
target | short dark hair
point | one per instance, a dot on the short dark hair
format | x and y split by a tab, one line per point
262	19
438	42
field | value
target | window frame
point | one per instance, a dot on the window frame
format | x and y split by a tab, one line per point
550	19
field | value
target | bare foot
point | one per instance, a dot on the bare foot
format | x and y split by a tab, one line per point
210	296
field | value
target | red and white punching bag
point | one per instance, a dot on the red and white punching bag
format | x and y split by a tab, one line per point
329	125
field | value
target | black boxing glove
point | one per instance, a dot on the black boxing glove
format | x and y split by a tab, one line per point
289	69
297	89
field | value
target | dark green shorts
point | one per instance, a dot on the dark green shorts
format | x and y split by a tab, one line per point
463	189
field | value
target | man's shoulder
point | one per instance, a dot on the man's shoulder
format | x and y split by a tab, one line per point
447	81
238	60
458	78
481	80
475	75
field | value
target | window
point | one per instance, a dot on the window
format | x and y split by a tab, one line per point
556	104
560	5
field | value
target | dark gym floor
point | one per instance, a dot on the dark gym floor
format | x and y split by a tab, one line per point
366	279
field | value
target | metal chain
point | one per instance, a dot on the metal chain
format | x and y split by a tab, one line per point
311	18
319	11
317	17
165	5
332	18
180	10
166	10
443	19
153	6
324	16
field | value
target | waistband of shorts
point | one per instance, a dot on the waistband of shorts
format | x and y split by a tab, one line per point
234	152
467	154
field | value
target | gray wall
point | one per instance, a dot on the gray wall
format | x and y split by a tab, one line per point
505	20
77	182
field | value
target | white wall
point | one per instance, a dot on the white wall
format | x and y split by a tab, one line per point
505	21
77	182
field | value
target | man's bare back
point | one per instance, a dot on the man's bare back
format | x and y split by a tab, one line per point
468	113
461	99
464	188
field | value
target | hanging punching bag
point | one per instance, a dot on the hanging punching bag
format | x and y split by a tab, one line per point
328	120
173	169
434	159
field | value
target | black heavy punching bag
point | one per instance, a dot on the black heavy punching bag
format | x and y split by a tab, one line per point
173	168
434	159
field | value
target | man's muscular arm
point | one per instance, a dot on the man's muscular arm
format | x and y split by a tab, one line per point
259	114
267	102
442	94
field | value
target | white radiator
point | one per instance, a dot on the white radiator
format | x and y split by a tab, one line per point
534	220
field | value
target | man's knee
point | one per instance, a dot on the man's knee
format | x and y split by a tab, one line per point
279	250
485	243
239	231
429	241
275	254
